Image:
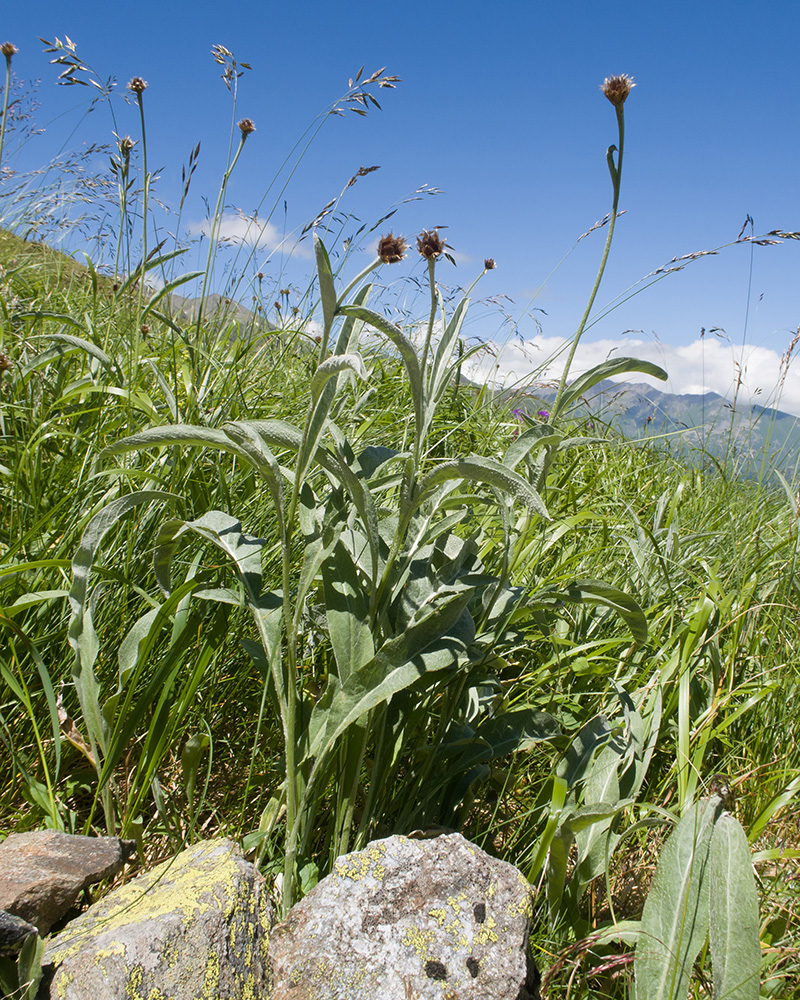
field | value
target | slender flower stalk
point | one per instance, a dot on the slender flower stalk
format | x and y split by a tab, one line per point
9	51
246	128
616	89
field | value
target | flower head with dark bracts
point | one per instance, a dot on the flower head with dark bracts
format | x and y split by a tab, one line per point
137	86
391	248
617	88
9	50
246	126
489	264
430	244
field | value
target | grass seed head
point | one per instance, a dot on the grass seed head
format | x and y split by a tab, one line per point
430	244
391	248
617	88
137	85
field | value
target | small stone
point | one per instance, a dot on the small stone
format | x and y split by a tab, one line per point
14	932
42	873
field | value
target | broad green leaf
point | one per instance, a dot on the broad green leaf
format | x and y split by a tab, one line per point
598	592
735	945
327	290
423	648
675	920
614	366
82	635
83	345
223	531
441	371
538	436
403	345
478	469
333	366
347	611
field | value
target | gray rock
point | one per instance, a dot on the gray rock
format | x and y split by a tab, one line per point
14	932
42	873
196	926
409	920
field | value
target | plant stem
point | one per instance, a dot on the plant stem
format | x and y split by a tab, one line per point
5	107
616	177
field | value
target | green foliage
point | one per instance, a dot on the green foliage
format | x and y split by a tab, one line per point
704	880
308	593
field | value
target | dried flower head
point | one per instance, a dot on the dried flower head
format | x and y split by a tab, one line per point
9	50
617	88
391	248
246	126
137	85
126	144
430	244
489	264
5	362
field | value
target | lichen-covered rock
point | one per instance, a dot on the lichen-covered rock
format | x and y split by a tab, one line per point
194	927
409	920
42	873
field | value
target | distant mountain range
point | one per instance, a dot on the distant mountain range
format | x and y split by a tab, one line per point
702	427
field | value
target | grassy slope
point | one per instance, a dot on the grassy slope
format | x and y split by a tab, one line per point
712	561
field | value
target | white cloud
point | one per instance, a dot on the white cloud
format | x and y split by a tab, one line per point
707	364
240	228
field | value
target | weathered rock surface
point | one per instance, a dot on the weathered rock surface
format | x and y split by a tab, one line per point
42	873
194	927
409	920
14	932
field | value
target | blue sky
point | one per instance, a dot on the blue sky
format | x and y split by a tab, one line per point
500	109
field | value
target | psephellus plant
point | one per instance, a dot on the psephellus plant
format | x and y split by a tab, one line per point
408	607
390	559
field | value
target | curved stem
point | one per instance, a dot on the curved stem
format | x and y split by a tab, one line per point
616	177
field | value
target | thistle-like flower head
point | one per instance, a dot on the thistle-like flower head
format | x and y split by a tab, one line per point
391	248
430	244
489	264
9	50
137	85
617	88
246	126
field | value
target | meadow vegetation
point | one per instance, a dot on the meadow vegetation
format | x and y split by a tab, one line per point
287	576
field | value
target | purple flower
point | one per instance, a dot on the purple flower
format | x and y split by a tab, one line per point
543	414
517	414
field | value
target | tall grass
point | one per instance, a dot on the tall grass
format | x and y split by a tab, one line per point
304	585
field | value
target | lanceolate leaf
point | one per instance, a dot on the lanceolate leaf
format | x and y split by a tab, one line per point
676	914
482	470
735	945
327	290
332	366
223	531
82	635
616	366
403	345
423	648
